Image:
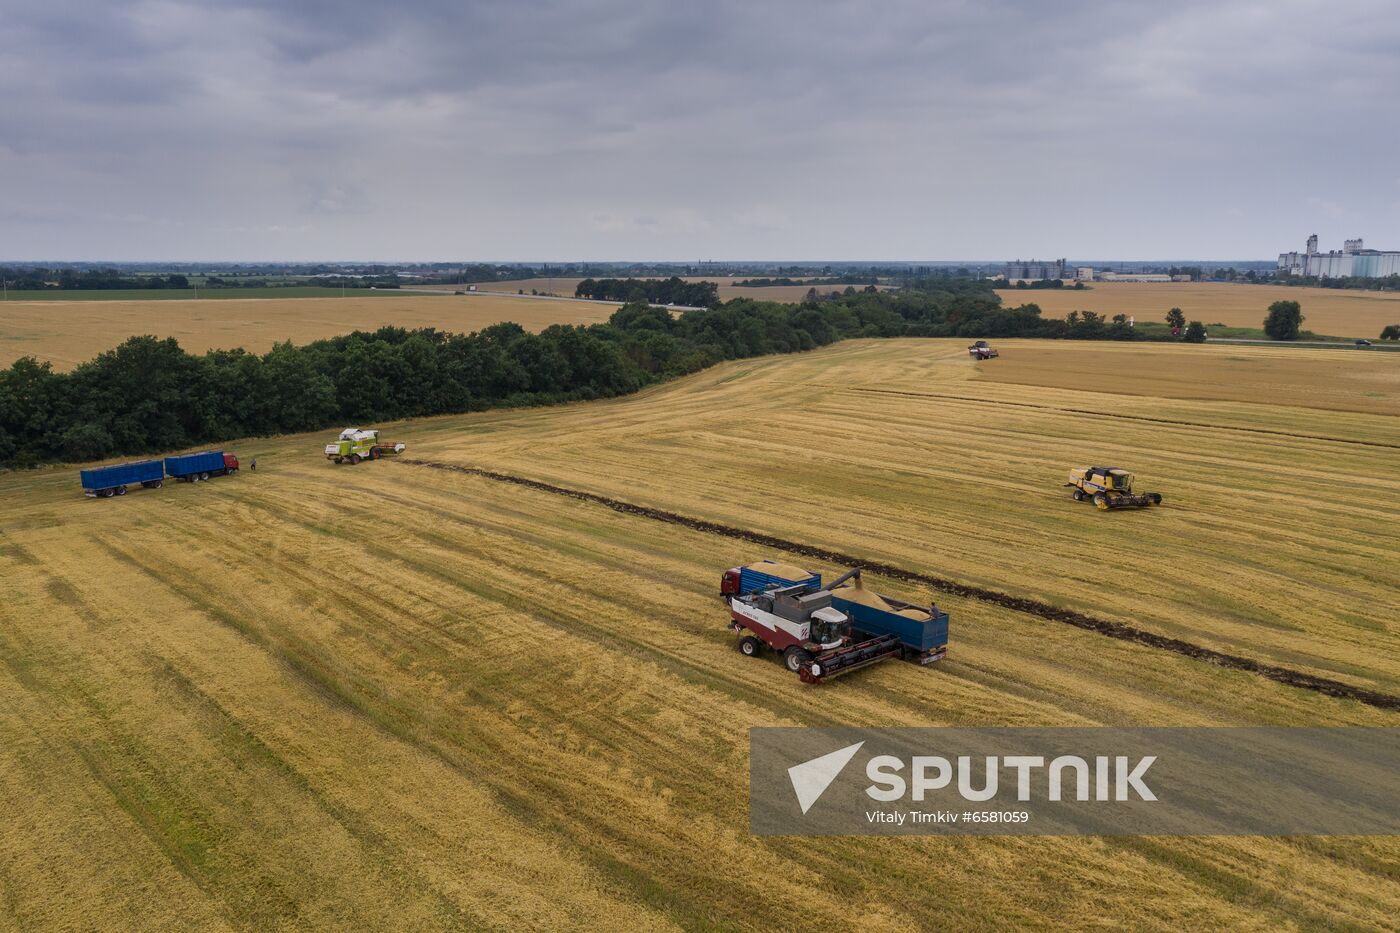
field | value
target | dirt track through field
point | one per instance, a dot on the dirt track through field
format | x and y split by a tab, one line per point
1037	608
1104	414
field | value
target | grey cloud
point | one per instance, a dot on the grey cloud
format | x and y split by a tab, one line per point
609	129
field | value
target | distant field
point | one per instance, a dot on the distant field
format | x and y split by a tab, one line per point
394	697
727	290
1332	311
178	294
68	333
1342	380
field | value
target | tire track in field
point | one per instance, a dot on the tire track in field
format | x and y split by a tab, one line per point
1034	607
1104	414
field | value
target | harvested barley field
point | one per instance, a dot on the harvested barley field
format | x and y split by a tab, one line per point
1332	380
398	695
1331	311
67	333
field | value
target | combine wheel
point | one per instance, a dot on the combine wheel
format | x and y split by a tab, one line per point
1078	495
354	459
795	657
374	453
1100	500
748	646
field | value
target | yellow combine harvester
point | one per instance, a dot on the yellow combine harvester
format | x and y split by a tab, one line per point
1109	488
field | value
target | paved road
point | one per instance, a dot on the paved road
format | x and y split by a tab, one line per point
1314	344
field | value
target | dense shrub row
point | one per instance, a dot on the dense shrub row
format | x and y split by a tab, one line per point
672	291
150	395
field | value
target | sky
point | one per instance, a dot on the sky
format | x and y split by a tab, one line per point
535	130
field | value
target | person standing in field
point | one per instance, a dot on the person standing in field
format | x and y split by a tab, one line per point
254	465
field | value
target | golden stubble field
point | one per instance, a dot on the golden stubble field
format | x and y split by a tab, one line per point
1337	380
388	696
67	333
1331	311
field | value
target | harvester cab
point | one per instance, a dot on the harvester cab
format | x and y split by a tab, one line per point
1109	488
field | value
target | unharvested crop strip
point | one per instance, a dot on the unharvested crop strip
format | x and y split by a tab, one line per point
1123	417
1033	607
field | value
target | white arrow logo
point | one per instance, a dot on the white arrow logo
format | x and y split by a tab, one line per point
811	778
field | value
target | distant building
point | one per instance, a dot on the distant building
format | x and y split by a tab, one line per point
1034	269
1084	274
1134	277
1353	261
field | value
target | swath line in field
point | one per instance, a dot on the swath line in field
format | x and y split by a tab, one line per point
1104	414
1034	607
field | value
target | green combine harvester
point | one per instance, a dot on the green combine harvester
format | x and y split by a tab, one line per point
356	444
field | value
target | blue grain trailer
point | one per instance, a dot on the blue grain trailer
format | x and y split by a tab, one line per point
105	482
922	630
763	574
191	468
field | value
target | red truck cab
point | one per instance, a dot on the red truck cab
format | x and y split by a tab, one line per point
230	463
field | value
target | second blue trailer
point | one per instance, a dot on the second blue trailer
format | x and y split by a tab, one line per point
107	481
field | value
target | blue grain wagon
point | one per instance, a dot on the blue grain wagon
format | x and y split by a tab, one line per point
925	637
191	468
764	574
114	480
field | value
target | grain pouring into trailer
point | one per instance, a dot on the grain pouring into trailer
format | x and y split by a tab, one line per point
824	632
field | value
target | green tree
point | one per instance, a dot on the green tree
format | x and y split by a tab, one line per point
1195	332
1391	332
1284	321
1175	319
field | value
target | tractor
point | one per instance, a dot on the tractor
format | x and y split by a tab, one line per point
1109	488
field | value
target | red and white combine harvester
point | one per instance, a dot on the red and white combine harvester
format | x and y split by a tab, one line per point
825	631
981	351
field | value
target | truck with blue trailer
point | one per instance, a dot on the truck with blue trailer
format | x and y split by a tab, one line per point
107	481
192	468
823	631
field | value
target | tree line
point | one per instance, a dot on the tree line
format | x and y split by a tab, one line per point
672	291
149	395
38	279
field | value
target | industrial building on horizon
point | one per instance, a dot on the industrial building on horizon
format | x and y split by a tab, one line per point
1034	270
1352	261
